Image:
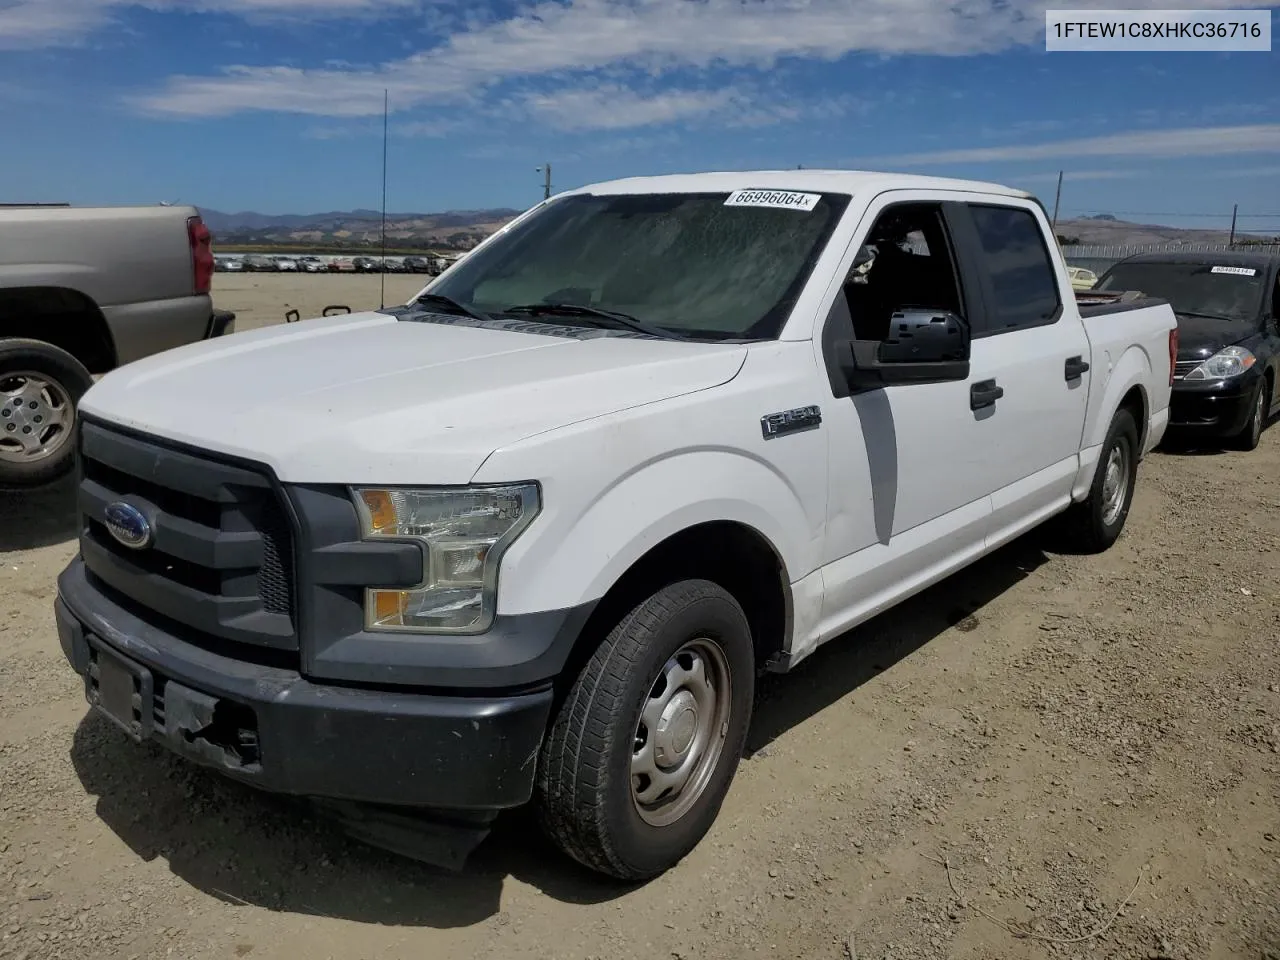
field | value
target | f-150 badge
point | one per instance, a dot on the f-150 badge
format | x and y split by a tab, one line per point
789	421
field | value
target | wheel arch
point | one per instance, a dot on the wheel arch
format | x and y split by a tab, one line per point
62	316
734	555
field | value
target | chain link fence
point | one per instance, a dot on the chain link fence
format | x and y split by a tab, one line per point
1099	256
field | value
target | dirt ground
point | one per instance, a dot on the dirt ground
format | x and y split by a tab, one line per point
989	772
262	299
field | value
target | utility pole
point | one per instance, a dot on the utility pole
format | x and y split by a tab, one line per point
545	169
1234	209
1056	200
382	267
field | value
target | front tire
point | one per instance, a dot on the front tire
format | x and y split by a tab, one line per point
1251	435
1095	523
641	753
40	388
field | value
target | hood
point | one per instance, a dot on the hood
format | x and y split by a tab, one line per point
1200	337
367	398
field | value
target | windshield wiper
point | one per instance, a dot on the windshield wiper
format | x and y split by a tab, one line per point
618	320
442	300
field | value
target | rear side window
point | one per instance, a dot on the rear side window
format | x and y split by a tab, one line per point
1023	285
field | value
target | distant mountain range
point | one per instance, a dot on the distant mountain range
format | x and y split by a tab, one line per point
1106	229
456	229
463	229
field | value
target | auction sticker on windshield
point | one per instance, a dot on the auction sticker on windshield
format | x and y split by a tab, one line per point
779	199
1236	271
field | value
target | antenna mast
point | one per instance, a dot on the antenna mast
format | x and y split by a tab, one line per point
382	267
1057	199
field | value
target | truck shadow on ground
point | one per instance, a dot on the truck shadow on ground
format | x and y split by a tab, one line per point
243	847
30	519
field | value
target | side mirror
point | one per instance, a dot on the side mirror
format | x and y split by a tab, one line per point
923	346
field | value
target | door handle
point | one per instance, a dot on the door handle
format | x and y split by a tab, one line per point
985	393
1075	368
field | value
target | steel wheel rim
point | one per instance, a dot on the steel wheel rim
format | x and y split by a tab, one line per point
36	417
1259	412
681	732
1115	483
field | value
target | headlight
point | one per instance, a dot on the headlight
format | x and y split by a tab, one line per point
463	532
1228	362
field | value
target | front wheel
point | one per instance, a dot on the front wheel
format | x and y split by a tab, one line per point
1251	435
641	754
40	386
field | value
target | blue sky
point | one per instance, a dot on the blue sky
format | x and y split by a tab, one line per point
276	105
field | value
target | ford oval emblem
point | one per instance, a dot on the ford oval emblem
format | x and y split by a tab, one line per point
129	525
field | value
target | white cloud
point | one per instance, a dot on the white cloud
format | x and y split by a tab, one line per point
1079	175
28	24
553	37
1186	142
1273	171
434	128
616	108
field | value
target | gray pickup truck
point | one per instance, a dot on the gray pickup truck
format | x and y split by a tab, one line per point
84	290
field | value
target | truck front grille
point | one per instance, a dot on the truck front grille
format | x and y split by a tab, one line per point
220	557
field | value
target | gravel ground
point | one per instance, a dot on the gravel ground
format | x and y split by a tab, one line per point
1046	756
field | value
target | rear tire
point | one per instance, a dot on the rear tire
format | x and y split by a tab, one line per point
640	756
1095	523
40	389
1249	437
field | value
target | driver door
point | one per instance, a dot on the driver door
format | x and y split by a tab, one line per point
911	466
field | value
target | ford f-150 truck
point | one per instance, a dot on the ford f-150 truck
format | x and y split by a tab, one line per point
82	291
534	535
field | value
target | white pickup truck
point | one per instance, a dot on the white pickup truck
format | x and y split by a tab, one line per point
533	536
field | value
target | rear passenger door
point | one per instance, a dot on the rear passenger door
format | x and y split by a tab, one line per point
1035	349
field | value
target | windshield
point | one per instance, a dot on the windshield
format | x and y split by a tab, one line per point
1206	289
688	263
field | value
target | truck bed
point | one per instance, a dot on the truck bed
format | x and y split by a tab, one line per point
1097	303
1126	336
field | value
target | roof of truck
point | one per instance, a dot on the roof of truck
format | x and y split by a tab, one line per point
829	181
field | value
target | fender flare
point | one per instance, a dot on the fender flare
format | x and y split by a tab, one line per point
576	558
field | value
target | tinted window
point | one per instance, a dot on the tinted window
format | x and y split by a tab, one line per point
1024	285
685	262
1216	292
906	262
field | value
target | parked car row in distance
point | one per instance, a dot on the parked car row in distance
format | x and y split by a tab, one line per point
263	263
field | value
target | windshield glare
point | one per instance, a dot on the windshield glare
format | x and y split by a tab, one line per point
1193	287
684	262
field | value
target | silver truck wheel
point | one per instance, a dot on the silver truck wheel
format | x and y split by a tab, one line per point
36	417
40	385
641	751
681	732
1095	523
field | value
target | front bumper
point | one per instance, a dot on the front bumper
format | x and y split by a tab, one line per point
1215	408
276	730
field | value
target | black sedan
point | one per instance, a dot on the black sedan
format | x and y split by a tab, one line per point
1228	363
